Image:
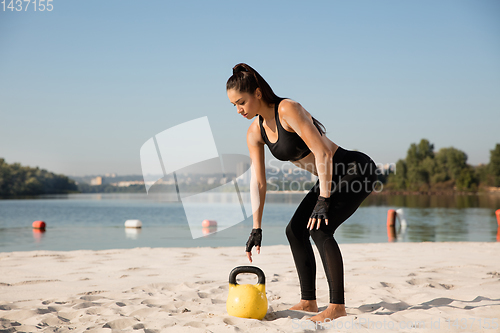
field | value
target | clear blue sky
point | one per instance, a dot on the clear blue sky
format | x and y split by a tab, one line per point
84	86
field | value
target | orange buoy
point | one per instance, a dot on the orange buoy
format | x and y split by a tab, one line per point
391	233
39	225
391	225
208	223
391	218
497	213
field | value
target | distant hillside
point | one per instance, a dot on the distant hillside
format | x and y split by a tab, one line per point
18	180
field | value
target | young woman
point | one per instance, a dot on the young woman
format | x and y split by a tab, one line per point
345	179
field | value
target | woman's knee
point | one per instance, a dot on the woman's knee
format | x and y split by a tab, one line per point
319	235
296	233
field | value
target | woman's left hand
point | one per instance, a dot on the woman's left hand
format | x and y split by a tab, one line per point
319	213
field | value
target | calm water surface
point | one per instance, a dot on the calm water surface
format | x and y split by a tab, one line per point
95	221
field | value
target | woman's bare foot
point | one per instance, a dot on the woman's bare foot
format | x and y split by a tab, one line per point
333	311
305	305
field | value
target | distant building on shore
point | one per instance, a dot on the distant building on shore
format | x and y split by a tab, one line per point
128	183
242	174
96	181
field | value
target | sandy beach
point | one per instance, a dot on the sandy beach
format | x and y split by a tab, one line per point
401	287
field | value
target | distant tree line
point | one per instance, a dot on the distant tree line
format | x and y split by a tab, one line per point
424	170
18	180
108	188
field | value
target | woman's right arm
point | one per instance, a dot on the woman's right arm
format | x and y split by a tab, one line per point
258	179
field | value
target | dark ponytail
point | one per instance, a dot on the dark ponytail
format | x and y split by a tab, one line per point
246	79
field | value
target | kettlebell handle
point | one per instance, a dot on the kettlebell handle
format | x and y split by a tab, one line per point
247	269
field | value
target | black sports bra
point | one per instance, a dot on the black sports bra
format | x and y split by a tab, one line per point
289	146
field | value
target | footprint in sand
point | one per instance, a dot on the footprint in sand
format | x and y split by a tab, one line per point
217	290
47	310
7	307
230	321
91	298
152	304
19	315
33	282
120	324
54	321
218	301
188	254
195	324
204	282
275	278
416	282
138	326
134	268
143	313
95	292
85	305
442	285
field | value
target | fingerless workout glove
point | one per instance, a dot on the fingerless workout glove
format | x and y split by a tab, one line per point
254	239
321	209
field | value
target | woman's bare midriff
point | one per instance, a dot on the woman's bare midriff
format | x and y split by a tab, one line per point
308	163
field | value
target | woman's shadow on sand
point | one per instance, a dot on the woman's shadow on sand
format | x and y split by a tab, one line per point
293	314
385	308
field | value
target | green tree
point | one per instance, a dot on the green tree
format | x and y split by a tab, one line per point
398	178
417	153
418	171
481	173
423	169
494	166
450	162
466	180
17	180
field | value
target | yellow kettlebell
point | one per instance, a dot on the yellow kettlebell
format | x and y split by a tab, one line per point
247	300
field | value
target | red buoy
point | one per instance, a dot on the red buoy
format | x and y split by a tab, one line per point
208	223
391	233
391	218
497	213
39	225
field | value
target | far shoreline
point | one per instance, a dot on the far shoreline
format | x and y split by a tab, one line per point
493	191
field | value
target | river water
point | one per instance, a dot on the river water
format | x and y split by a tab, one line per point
96	221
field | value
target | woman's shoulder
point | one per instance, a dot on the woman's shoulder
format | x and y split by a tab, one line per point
288	106
291	111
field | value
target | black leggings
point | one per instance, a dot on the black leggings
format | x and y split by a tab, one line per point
354	174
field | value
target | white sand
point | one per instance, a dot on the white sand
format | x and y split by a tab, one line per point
440	287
